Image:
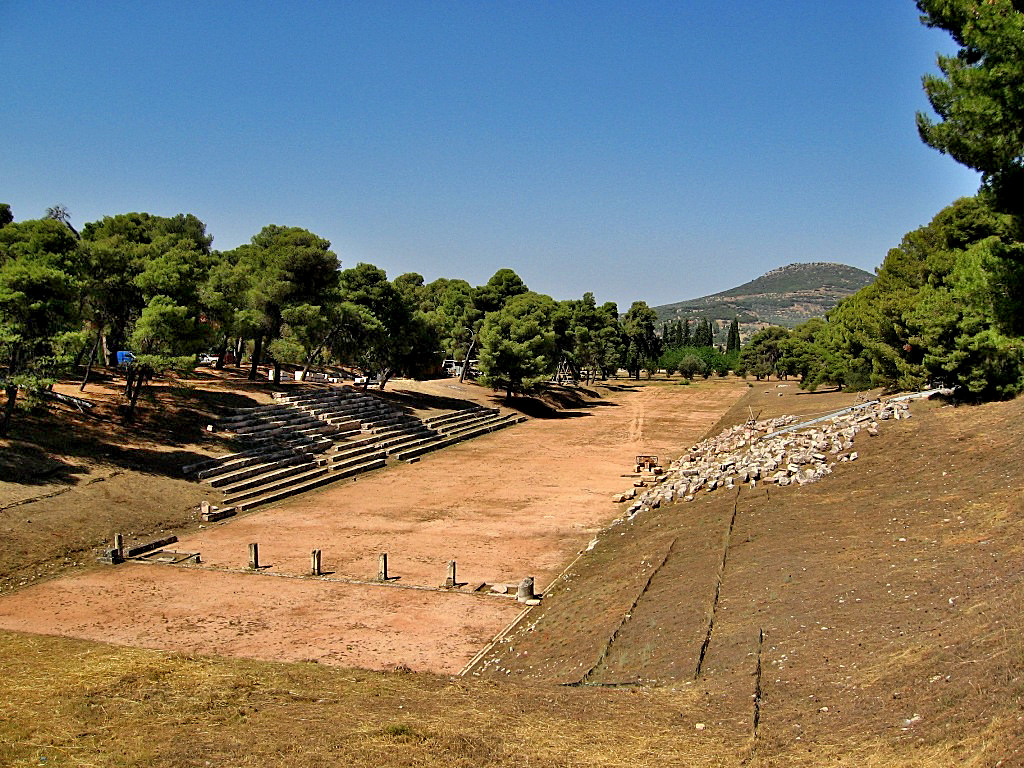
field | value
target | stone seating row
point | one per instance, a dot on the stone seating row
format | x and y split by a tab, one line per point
307	439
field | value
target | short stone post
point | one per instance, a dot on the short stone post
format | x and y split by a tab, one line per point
525	591
314	562
119	545
382	567
450	582
254	557
204	509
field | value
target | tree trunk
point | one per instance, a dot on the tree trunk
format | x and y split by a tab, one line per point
220	355
140	379
277	372
315	354
129	377
109	354
12	396
80	354
239	347
385	377
465	363
257	351
88	365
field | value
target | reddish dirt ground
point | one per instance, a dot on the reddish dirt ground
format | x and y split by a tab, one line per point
519	502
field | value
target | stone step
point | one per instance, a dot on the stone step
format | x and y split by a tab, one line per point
336	399
342	461
238	461
241	414
458	429
269	488
438	422
446	440
404	435
412	442
359	450
286	421
391	422
358	442
254	469
268	413
265	478
313	482
359	412
314	394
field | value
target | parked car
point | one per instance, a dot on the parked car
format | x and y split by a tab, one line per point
208	359
125	358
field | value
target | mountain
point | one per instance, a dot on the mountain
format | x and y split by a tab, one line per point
785	296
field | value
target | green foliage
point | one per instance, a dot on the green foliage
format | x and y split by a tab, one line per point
518	344
499	290
732	343
407	342
763	353
978	98
285	268
38	305
946	307
956	326
130	259
642	346
691	365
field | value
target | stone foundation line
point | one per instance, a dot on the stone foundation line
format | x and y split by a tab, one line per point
391	584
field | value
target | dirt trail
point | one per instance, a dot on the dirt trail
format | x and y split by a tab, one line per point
516	503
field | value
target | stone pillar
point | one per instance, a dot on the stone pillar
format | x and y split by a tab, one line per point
525	591
382	567
450	582
119	545
254	557
314	562
204	508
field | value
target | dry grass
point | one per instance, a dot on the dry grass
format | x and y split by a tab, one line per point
78	703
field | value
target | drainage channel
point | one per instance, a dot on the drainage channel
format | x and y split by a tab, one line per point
718	588
586	679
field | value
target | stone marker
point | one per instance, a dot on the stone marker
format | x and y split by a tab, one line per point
254	557
525	591
382	567
314	562
119	545
450	582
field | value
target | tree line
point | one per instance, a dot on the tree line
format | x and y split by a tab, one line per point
155	286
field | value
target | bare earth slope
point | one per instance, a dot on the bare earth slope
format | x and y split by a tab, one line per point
887	594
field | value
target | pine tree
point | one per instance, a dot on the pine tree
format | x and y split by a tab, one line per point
687	339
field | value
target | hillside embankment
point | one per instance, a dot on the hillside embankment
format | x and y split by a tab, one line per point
867	616
867	619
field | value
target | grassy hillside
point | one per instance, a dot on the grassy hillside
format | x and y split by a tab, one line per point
785	296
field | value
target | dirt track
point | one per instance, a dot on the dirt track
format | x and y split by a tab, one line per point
516	503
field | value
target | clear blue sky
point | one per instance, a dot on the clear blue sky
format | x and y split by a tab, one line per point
640	150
